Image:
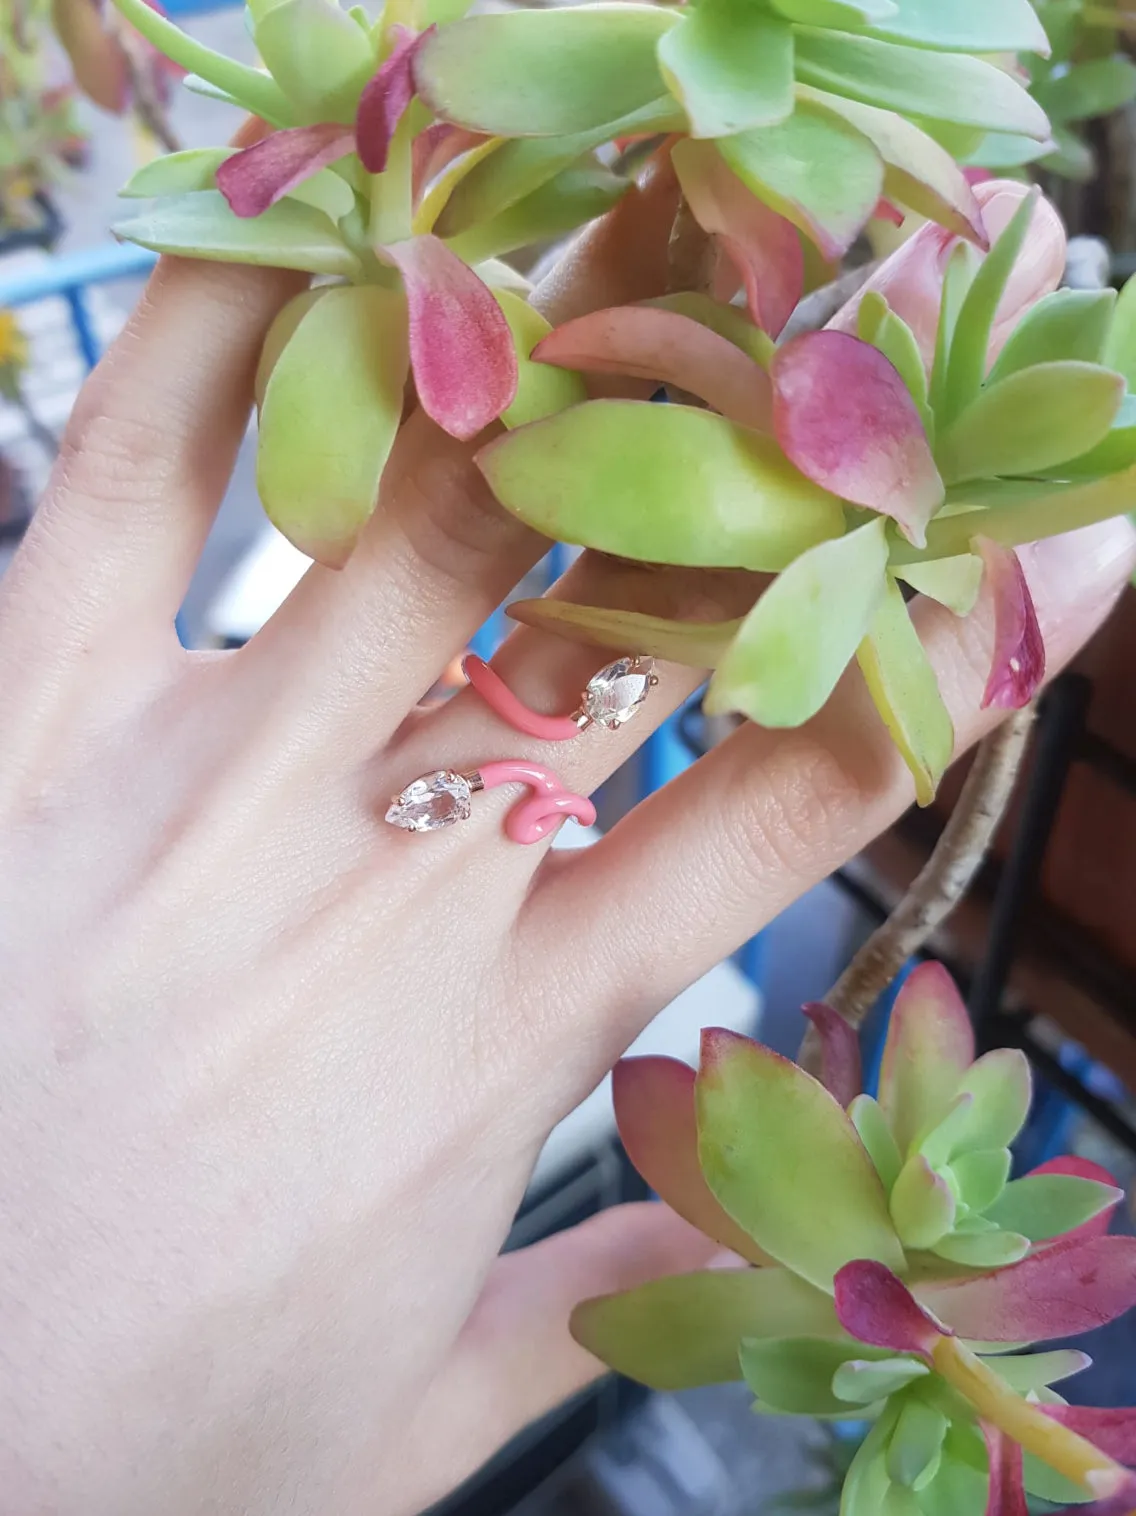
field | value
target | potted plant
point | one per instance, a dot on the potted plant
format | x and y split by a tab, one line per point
959	408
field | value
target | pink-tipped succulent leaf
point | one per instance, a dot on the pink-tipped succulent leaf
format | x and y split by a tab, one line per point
1018	667
385	99
261	175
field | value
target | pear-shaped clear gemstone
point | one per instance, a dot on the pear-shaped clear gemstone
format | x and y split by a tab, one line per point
432	802
617	691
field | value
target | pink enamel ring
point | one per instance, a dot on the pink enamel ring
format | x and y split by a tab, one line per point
444	798
610	698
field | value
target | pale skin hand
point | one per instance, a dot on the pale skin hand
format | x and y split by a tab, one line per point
272	1075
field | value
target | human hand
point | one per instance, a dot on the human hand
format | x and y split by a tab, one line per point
272	1074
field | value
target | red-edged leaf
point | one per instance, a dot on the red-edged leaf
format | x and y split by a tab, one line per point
654	1110
841	1072
886	211
876	1307
1064	1289
1019	649
253	180
844	416
1082	1168
929	1047
1113	1430
668	348
461	349
763	246
1007	1494
385	98
436	148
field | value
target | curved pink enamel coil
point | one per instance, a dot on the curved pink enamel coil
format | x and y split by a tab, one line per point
550	802
501	700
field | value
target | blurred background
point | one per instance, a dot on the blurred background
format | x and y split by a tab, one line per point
1045	946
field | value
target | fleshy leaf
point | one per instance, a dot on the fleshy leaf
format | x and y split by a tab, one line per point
844	416
762	245
841	1072
958	89
793	1375
1031	421
962	265
863	1381
981	1177
541	391
684	1331
1096	87
654	1111
566	202
816	170
1035	1371
929	1047
982	1249
1044	1206
695	644
1112	1429
1120	347
803	632
975	322
852	14
962	1478
872	1126
866	1485
1082	1168
730	65
905	690
384	99
876	1307
259	176
916	1444
821	1202
970	26
726	320
953	582
1116	453
1000	1084
318	54
461	348
201	225
176	173
538	73
917	171
921	1204
669	348
1018	666
1060	1291
878	324
330	414
1064	325
660	483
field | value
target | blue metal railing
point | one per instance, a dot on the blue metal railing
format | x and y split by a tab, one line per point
71	275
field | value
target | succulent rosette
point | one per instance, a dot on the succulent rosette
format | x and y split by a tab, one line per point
896	1274
851	463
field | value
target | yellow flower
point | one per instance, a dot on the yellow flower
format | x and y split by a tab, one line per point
13	344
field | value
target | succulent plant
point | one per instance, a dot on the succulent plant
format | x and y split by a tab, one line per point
895	1273
39	133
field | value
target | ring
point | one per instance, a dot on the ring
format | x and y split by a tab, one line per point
445	797
611	697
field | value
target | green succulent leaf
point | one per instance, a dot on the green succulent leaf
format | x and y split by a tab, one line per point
981	1177
875	1133
815	169
975	323
1120	346
1066	325
786	1163
860	1381
685	1330
1000	1087
565	202
916	1445
1072	158
866	1485
1034	420
961	268
201	225
793	1375
541	389
961	1481
921	1204
661	484
953	582
905	691
983	1250
726	320
1095	88
947	87
730	66
329	417
318	56
878	324
176	173
842	15
1043	1206
243	85
1005	151
1029	1372
968	26
1047	1484
695	644
1116	453
804	631
545	73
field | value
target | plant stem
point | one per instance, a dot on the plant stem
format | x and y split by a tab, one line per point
944	879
